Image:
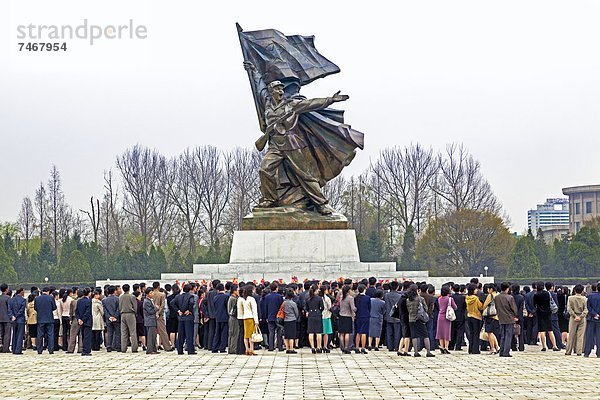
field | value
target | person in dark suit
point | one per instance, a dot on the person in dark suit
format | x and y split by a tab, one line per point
458	325
211	313
16	313
592	332
371	288
5	324
363	315
541	301
44	306
83	313
520	302
184	304
391	317
554	317
221	320
273	302
150	311
113	320
530	320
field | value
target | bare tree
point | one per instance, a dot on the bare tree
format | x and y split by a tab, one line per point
334	191
41	206
27	221
163	209
245	184
184	194
94	217
215	175
406	176
139	170
461	183
59	213
111	223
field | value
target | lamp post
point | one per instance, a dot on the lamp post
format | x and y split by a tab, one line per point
46	279
486	270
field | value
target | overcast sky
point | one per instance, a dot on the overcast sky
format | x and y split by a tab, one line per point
518	82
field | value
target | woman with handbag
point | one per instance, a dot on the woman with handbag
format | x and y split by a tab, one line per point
491	323
417	312
444	324
324	292
290	320
248	312
543	312
474	307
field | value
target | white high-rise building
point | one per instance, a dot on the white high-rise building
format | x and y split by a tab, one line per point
552	217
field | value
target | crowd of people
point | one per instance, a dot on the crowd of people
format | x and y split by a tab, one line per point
369	315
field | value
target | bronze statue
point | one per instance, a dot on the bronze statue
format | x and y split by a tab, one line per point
309	144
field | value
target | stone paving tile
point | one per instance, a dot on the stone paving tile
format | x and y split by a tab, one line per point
378	375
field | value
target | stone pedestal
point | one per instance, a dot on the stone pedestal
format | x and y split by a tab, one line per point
291	218
319	254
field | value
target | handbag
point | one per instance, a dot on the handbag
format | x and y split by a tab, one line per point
281	315
490	310
422	314
517	330
335	309
395	311
450	314
257	336
483	334
553	306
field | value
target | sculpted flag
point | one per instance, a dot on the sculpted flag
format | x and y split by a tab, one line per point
280	57
295	62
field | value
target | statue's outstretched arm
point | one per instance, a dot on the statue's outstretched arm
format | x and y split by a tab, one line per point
307	105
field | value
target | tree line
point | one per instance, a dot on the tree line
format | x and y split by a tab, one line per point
423	209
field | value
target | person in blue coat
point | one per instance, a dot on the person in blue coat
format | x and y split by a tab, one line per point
83	313
376	319
221	319
44	306
592	332
16	313
273	302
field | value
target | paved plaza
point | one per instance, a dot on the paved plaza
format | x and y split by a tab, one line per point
378	375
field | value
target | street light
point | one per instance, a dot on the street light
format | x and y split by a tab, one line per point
486	269
46	279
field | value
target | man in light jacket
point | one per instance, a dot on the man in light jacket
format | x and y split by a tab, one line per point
507	316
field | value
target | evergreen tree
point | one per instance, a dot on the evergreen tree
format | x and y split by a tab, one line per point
584	253
96	260
7	272
523	261
76	269
157	263
178	263
408	260
370	250
542	253
122	266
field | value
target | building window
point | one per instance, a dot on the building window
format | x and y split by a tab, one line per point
588	207
577	209
577	226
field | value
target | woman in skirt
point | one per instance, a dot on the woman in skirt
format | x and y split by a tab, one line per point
324	292
418	329
346	320
315	308
291	315
376	320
